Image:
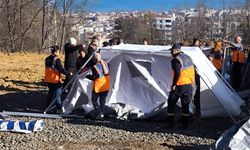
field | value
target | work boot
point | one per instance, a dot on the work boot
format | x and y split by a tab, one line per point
100	116
193	117
59	111
170	122
184	121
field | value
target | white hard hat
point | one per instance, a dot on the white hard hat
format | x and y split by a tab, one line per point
72	41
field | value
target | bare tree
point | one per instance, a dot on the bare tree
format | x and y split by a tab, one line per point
135	29
201	22
244	28
18	18
131	29
71	15
35	24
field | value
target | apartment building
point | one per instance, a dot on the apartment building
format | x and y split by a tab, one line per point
164	23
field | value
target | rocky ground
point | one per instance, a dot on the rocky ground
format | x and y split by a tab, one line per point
115	134
21	89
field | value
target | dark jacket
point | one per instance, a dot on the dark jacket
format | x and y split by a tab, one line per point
81	61
71	55
177	69
58	65
91	51
248	57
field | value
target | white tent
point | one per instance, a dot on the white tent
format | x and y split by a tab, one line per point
141	77
236	137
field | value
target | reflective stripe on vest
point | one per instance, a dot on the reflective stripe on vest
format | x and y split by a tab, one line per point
187	72
52	75
238	56
102	83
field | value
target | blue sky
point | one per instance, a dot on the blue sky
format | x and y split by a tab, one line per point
155	5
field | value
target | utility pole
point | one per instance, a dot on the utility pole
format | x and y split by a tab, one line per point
43	24
52	23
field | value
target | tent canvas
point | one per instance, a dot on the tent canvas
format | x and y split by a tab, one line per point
236	137
141	77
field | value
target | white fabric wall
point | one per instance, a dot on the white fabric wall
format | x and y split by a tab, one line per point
148	91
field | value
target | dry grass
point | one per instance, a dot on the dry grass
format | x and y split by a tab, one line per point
21	71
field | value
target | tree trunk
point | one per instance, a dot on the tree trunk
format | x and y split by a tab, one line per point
43	26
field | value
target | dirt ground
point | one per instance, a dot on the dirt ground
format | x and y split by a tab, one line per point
21	81
21	72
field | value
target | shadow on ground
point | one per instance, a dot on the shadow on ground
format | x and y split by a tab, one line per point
18	85
23	101
188	147
35	101
204	128
27	84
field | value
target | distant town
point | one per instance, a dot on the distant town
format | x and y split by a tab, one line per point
104	23
53	22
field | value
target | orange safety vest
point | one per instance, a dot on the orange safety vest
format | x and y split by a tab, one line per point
238	56
187	72
52	75
217	61
102	83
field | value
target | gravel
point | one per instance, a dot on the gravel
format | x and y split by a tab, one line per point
64	134
110	133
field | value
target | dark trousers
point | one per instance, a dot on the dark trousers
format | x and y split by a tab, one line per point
197	96
54	92
102	99
185	93
68	78
236	75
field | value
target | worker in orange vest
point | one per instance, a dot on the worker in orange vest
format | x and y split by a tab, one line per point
216	56
54	72
183	78
238	57
101	84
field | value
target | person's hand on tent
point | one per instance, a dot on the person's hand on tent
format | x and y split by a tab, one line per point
225	41
173	88
90	77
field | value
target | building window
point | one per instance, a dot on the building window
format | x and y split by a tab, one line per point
160	21
168	20
161	26
168	26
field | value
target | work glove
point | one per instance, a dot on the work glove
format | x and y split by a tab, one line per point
90	77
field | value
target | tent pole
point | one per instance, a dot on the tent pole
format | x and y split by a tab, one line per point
66	86
225	81
245	74
230	115
39	115
224	62
221	75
